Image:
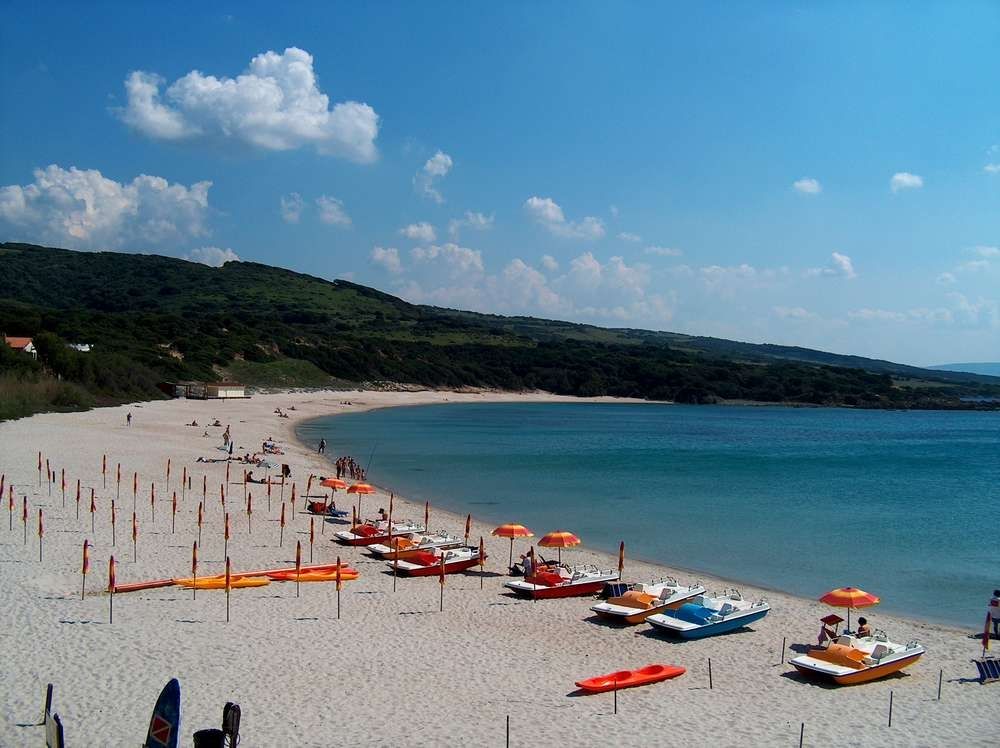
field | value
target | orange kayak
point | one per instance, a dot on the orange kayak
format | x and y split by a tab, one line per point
139	586
346	575
219	583
630	678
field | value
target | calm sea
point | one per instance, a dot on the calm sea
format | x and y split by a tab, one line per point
901	504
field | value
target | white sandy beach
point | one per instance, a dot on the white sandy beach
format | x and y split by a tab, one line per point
393	669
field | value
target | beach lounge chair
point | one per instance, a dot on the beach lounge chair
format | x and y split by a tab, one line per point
989	669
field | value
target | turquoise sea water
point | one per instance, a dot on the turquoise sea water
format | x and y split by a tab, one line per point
901	504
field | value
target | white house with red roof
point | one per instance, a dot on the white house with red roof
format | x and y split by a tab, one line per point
21	344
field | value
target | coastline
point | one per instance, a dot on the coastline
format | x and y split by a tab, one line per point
296	669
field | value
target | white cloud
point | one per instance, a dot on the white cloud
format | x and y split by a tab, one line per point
434	169
614	211
214	256
549	263
626	236
808	186
388	258
880	315
276	104
983	251
421	232
291	207
992	168
793	312
472	220
458	260
973	266
83	209
840	266
663	251
546	212
331	210
903	180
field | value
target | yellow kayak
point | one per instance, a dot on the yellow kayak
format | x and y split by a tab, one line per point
219	583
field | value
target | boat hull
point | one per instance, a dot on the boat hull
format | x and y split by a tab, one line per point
435	569
541	592
640	614
714	629
860	676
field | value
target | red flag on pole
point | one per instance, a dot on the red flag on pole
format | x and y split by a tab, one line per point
62	482
194	569
111	575
468	527
986	632
427	515
281	536
309	484
229	586
24	518
152	500
41	533
621	559
168	473
93	510
135	538
86	568
298	565
173	512
113	539
482	561
340	581
312	537
249	512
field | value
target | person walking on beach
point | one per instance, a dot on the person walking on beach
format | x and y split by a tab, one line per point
322	446
128	418
994	611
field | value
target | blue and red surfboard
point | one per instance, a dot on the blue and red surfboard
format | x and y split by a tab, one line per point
166	721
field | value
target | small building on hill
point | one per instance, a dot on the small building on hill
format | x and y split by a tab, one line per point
25	345
224	390
205	390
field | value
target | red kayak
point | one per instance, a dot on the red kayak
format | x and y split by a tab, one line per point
630	678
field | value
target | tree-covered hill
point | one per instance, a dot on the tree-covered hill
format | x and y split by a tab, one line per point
152	318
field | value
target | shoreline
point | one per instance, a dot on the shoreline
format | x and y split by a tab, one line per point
297	663
678	571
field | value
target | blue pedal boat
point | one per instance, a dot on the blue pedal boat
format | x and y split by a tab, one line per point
709	615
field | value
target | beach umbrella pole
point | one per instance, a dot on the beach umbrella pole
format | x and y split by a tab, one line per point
510	561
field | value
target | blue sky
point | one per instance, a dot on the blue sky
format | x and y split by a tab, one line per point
825	175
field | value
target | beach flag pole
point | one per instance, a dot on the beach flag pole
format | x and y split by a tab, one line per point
41	534
173	513
24	518
312	537
427	515
395	569
194	570
222	496
293	502
135	538
441	582
184	483
249	513
298	565
77	499
111	589
48	475
225	535
93	511
204	489
135	489
709	673
244	486
468	527
118	483
281	494
63	484
229	586
104	469
39	470
269	494
340	584
201	510
986	633
113	539
802	733
168	473
482	561
227	481
10	508
621	559
86	568
281	522
152	500
890	708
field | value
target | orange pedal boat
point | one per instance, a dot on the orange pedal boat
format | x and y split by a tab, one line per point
630	678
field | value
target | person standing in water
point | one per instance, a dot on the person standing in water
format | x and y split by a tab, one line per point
322	446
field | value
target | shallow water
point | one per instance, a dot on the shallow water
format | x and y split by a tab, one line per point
901	504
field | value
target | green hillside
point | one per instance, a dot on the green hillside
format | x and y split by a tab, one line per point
154	318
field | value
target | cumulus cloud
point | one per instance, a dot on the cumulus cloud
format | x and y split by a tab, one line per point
988	252
903	180
275	104
840	266
421	232
627	236
880	315
547	213
331	211
458	260
807	186
792	312
549	263
388	258
83	209
662	251
435	169
472	220
291	207
214	256
992	168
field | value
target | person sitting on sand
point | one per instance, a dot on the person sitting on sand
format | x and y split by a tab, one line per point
826	634
193	423
863	628
216	422
205	434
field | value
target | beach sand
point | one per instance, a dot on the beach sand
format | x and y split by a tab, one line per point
392	669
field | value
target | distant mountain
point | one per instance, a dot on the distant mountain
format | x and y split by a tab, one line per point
152	319
988	368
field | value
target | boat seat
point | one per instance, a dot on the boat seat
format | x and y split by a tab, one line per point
879	652
726	609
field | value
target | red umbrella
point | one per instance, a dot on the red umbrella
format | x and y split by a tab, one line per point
512	531
559	539
850	598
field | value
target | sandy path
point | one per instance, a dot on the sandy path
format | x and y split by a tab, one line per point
392	668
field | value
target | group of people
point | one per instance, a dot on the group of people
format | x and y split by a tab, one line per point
282	414
347	466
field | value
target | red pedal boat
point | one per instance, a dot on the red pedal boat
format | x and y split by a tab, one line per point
630	678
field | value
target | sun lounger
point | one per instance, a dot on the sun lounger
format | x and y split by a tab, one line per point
989	669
